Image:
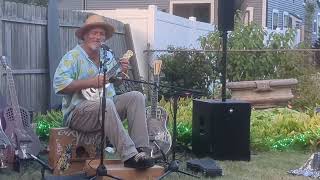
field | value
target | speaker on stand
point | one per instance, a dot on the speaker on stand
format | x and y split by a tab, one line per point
221	129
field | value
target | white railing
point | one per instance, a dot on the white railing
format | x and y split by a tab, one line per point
178	31
296	40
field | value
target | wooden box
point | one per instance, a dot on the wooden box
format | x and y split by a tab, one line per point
69	149
263	93
116	168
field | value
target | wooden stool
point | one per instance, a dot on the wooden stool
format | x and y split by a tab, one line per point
116	168
69	149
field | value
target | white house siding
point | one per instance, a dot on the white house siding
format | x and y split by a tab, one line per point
295	7
257	10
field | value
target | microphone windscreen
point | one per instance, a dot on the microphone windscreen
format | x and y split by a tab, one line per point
105	47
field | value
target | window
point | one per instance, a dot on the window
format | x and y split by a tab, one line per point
314	27
248	17
285	20
275	19
202	11
290	22
298	25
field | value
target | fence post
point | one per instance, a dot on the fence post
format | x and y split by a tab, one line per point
54	50
1	26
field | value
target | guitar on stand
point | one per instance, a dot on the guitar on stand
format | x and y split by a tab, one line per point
4	143
160	138
17	119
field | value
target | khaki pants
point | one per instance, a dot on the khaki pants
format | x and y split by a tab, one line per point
129	105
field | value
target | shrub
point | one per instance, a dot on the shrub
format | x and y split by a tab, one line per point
256	65
276	129
44	122
189	70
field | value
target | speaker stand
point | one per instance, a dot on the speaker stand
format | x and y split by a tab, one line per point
174	164
224	64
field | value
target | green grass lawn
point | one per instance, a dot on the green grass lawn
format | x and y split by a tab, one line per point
266	165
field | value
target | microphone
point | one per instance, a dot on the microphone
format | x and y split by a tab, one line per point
105	47
40	161
107	52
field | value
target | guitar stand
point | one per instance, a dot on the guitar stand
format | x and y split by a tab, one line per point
161	151
173	166
102	171
43	164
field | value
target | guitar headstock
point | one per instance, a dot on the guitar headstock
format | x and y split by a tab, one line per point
4	63
128	55
157	67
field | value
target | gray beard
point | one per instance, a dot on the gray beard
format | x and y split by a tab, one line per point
94	47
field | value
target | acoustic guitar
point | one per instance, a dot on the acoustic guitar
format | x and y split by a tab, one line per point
160	138
17	119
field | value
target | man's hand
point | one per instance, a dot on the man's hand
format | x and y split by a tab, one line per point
124	65
97	82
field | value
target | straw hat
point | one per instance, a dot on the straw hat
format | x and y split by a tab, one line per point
92	22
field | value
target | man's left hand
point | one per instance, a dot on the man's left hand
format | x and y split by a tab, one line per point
124	65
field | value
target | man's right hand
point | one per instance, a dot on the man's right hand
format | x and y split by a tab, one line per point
97	82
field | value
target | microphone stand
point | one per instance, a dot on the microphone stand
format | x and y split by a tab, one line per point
173	166
102	170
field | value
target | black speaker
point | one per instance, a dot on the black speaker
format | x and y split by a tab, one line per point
221	130
226	10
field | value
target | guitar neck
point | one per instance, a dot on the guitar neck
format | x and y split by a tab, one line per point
154	98
13	96
113	70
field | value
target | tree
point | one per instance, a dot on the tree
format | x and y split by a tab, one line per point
310	6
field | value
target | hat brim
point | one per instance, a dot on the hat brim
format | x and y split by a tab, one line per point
84	29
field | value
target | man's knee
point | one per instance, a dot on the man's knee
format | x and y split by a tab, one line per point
138	95
109	103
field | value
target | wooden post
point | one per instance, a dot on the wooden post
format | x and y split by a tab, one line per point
54	51
130	45
1	26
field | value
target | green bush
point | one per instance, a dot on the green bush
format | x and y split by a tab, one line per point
276	129
283	129
194	70
257	65
190	70
242	66
184	119
44	122
307	95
